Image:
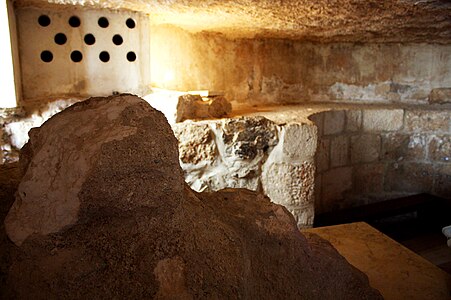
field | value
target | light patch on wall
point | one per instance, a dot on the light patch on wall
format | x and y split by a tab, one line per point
7	87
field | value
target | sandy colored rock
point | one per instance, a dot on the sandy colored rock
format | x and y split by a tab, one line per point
194	107
196	142
320	20
68	162
219	107
138	234
383	119
440	96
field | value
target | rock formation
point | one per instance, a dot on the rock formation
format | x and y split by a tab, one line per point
103	212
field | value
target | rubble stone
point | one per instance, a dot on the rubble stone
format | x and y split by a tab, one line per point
193	107
248	137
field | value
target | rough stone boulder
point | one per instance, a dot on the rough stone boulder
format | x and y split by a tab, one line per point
103	212
194	107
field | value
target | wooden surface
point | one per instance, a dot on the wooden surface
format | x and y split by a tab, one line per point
395	271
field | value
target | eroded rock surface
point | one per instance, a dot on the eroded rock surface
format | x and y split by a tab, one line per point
137	232
321	20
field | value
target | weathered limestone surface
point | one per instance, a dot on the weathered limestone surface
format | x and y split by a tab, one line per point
292	71
322	20
66	163
133	229
253	153
383	120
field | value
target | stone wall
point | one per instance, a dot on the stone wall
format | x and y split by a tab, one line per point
288	71
367	155
253	153
346	155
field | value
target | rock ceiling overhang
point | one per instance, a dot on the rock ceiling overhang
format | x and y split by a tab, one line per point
316	20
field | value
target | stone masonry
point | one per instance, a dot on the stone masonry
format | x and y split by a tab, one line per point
253	153
380	154
328	159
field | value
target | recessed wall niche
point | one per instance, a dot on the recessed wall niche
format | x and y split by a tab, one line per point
79	52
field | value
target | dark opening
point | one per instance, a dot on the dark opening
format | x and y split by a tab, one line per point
131	56
44	20
60	38
104	56
74	21
103	22
46	56
90	39
76	56
130	23
117	39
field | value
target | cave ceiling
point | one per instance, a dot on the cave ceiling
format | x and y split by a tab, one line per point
315	20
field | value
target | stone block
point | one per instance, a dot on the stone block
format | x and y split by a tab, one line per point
246	138
407	147
288	184
339	151
335	183
304	216
427	121
383	119
442	183
194	107
318	120
323	155
368	178
440	96
299	141
440	148
196	142
353	120
409	177
365	148
334	122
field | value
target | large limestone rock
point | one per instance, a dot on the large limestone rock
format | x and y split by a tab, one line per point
102	212
87	158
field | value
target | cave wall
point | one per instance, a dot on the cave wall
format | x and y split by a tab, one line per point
290	71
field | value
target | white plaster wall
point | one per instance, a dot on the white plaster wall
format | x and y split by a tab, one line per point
91	76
